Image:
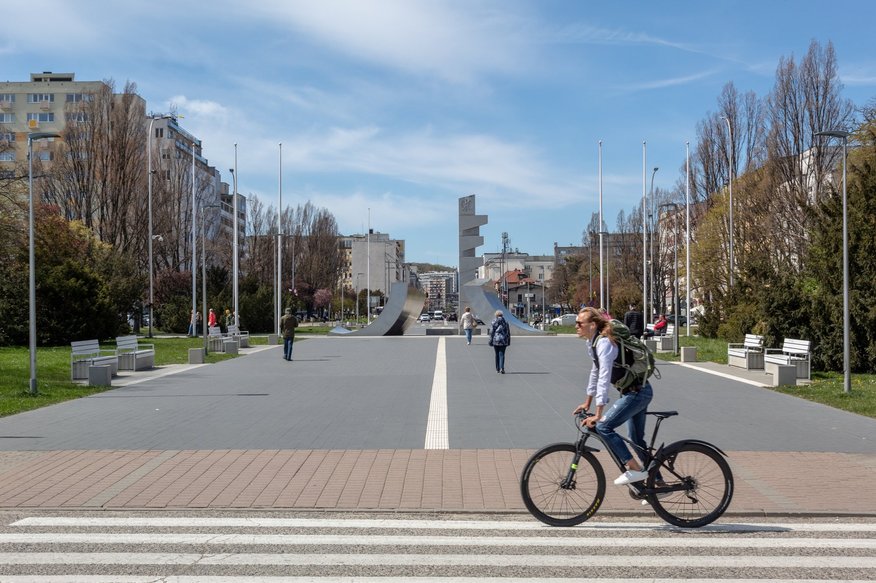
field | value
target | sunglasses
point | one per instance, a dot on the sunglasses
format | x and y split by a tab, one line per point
579	324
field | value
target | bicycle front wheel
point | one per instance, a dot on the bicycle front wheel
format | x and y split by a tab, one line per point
707	485
557	493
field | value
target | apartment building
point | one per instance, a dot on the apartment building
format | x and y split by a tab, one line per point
376	256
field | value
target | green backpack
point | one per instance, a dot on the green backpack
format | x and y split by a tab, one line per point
634	364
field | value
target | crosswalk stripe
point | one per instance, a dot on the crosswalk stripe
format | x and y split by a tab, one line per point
418	560
311	579
421	540
268	522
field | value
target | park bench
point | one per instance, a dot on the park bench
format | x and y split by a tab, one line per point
242	336
134	356
216	339
793	352
747	354
667	341
86	353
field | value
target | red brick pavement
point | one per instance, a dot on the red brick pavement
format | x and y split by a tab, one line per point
440	480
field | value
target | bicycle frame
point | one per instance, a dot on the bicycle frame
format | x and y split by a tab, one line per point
649	454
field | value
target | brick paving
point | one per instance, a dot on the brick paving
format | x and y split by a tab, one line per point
435	480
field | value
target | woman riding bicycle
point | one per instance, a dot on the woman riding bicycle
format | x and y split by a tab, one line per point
632	405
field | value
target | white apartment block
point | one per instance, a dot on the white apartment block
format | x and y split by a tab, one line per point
373	261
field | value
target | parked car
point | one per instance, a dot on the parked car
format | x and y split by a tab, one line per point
564	320
425	317
682	319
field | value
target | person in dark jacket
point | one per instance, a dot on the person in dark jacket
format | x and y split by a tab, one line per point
634	320
288	323
499	338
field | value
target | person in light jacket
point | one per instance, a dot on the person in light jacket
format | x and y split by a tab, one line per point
468	324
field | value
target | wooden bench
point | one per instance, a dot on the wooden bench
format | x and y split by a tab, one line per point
87	353
666	342
134	356
216	339
793	352
748	354
242	336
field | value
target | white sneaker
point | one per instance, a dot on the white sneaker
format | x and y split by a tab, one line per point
630	477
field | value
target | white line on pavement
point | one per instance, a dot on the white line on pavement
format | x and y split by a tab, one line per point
269	522
721	374
105	538
419	560
436	425
406	579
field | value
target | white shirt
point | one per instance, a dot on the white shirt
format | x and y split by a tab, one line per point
600	378
468	321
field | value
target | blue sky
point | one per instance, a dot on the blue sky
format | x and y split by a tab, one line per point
403	106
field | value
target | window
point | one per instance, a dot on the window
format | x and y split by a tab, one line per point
78	116
79	97
40	97
7	97
7	174
44	155
7	156
7	118
7	137
41	117
159	132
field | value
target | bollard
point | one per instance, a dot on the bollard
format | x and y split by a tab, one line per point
784	375
230	347
196	356
273	339
100	375
688	354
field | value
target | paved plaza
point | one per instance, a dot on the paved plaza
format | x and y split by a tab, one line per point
405	423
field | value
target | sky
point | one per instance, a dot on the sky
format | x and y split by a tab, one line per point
394	109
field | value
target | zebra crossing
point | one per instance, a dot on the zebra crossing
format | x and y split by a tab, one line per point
422	549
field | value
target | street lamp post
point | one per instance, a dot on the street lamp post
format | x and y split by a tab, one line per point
847	370
687	232
30	256
730	187
674	207
194	249
650	315
152	119
236	250
204	327
601	228
644	234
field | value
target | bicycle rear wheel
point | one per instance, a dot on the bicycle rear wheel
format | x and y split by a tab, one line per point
557	494
707	480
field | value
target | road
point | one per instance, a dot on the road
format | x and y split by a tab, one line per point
377	393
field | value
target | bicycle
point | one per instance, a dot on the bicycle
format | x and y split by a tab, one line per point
689	482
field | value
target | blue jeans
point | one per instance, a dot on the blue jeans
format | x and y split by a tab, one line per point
631	408
287	348
468	332
500	357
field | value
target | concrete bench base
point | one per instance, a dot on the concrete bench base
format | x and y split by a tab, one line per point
80	367
665	343
784	374
651	344
196	356
100	375
139	360
747	359
230	347
771	364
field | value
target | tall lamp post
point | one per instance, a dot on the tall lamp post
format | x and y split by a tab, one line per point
152	119
644	235
204	271
236	250
674	207
601	232
730	187
649	317
30	256
847	370
687	231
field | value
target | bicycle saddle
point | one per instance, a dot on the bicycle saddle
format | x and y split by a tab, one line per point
663	414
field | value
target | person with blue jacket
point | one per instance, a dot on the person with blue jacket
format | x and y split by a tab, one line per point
499	338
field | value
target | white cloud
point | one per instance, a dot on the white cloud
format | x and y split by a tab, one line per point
437	38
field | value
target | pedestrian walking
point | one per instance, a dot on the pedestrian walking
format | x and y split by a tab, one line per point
468	324
499	339
288	323
211	319
635	321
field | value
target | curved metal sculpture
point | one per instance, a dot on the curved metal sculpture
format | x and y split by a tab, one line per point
484	303
400	313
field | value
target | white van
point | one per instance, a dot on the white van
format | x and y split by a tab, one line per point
438	315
